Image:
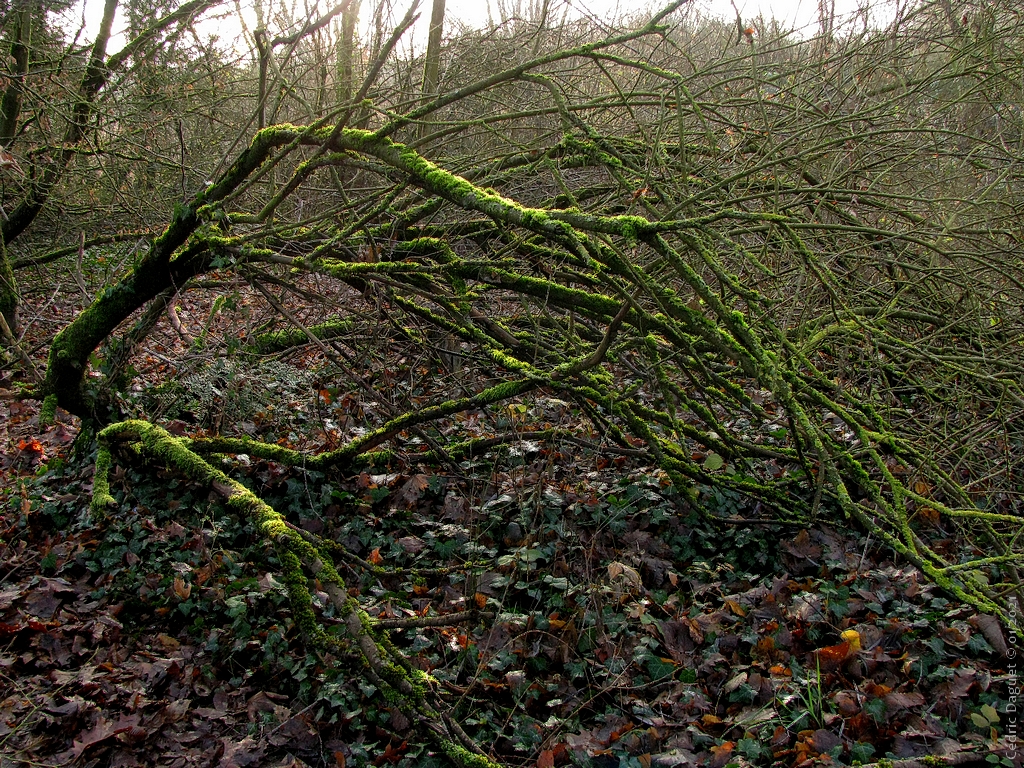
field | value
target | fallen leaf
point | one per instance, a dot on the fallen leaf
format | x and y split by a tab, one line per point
242	754
412	490
168	642
957	636
991	630
181	588
903	700
412	544
102	731
802	547
736	608
735	683
831	657
624	578
720	755
823	740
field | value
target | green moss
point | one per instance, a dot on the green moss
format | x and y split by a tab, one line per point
158	443
462	757
632	227
300	598
101	498
246	445
48	413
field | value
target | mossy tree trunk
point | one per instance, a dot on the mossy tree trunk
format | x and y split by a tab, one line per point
9	299
10	112
10	104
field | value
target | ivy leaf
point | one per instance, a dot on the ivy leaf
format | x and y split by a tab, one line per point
713	462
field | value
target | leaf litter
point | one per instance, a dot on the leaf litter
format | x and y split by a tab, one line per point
629	628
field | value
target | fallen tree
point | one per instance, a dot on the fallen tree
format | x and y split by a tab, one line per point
743	296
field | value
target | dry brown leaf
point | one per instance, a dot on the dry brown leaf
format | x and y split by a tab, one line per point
182	588
802	547
720	755
903	700
169	643
736	608
991	630
955	635
104	730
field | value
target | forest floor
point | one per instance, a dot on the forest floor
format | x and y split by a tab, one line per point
623	627
627	632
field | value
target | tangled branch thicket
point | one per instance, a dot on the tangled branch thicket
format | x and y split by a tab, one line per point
789	269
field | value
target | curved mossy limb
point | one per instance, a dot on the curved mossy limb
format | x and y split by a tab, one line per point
71	348
350	454
403	685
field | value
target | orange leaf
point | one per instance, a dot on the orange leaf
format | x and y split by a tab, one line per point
735	607
929	516
765	647
720	755
830	657
182	588
375	557
616	735
30	446
546	759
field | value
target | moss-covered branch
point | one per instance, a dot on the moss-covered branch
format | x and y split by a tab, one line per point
302	559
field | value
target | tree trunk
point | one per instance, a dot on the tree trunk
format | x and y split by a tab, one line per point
9	300
10	110
346	51
10	106
95	76
432	64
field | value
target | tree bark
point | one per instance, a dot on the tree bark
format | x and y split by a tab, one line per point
346	51
9	300
432	62
94	78
10	106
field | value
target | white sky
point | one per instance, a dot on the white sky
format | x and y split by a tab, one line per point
800	15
